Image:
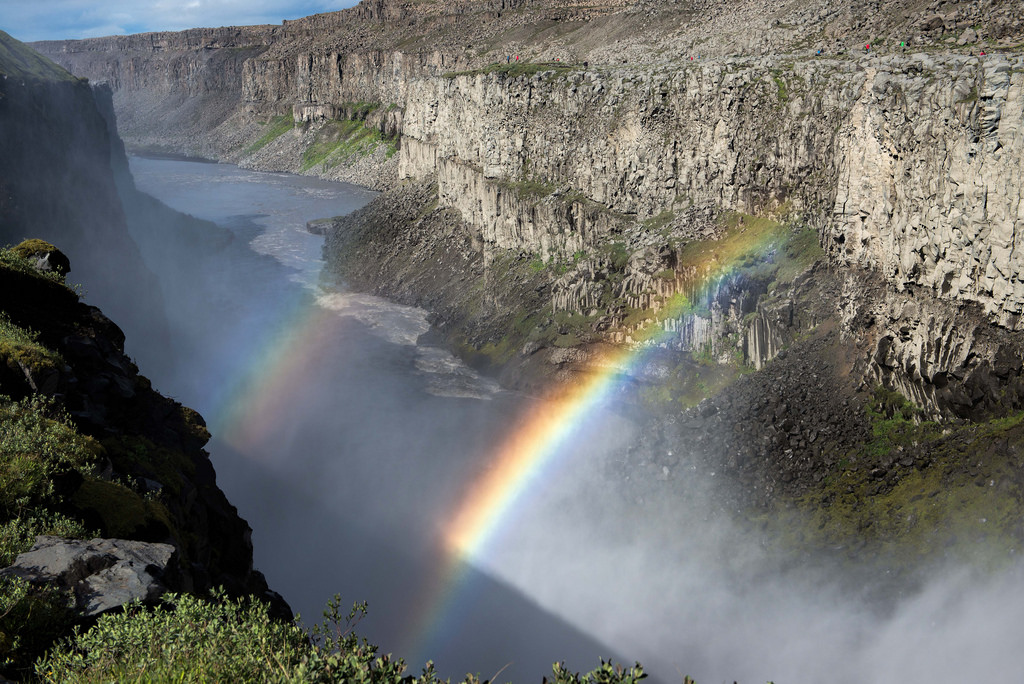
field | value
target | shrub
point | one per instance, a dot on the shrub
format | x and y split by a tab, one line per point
186	639
30	617
189	639
37	444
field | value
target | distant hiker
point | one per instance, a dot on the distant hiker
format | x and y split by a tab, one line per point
981	54
818	52
517	58
508	59
586	64
867	47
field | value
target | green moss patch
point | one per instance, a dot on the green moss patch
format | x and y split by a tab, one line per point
339	143
13	261
20	349
521	68
142	457
918	491
274	129
121	512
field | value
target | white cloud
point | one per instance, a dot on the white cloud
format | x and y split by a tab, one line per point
56	19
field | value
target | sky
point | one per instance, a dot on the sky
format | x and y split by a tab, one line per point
29	20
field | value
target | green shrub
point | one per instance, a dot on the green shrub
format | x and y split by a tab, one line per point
37	444
18	534
184	640
188	639
30	619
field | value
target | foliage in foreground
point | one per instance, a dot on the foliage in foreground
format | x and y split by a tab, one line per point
188	639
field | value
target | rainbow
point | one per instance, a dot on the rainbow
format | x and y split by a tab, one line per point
537	442
275	368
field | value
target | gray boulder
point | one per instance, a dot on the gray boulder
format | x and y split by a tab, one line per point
101	573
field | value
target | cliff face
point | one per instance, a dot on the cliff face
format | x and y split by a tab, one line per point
903	158
142	473
57	184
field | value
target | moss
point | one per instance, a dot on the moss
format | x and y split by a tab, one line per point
195	424
342	142
11	260
529	189
20	349
689	383
517	69
917	491
121	512
274	129
971	97
656	223
143	458
28	249
799	251
782	91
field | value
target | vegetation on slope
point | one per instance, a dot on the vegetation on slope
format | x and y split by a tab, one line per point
274	129
339	143
19	61
916	491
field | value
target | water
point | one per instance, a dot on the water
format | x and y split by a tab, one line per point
343	442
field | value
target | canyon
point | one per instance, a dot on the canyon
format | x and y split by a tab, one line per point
561	178
802	217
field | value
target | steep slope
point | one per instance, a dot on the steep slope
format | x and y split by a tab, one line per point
87	447
56	183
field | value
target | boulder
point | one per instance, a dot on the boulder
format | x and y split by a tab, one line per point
102	574
44	256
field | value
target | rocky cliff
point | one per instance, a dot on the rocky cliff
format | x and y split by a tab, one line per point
87	447
876	125
814	186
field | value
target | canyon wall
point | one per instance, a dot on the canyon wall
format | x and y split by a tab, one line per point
152	479
905	158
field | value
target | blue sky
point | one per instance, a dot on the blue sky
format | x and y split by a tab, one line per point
29	20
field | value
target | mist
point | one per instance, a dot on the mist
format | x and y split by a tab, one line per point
348	447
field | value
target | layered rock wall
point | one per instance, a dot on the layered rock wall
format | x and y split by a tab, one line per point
634	142
907	164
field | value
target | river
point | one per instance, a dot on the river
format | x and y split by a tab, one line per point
342	441
351	448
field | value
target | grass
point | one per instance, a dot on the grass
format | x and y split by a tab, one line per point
274	129
341	142
20	61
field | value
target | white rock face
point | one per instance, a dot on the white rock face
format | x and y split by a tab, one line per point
930	182
908	165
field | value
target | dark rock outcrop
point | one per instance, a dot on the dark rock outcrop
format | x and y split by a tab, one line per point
56	184
153	483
